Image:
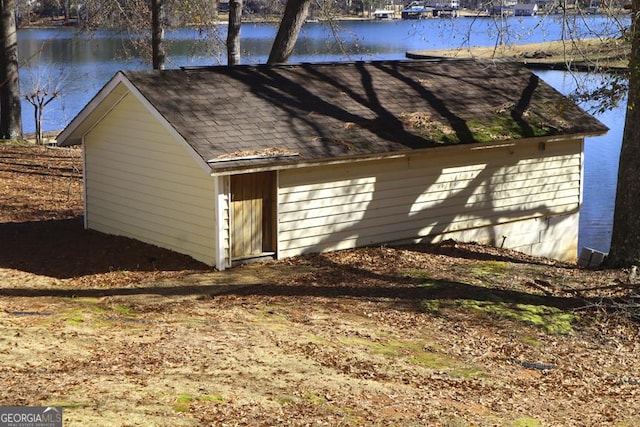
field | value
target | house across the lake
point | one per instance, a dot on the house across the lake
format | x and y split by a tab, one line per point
229	163
384	14
525	9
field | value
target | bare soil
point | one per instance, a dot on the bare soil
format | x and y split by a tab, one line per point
121	333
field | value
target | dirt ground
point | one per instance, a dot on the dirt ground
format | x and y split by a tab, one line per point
124	334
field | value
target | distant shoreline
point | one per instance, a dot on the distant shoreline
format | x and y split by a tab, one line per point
579	55
60	22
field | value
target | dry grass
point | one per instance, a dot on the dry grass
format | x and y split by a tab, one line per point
588	53
121	333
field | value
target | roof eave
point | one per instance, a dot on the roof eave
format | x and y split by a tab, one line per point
74	132
231	168
83	123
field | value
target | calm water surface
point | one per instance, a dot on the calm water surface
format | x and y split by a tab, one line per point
80	64
600	169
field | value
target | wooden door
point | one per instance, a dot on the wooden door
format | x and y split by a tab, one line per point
252	214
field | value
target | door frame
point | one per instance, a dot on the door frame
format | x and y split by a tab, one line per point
252	188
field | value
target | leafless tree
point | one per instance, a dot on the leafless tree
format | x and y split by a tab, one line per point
10	109
42	85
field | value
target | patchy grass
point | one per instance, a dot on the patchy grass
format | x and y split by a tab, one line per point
453	334
490	269
531	341
550	319
184	401
423	353
526	308
526	422
67	404
124	310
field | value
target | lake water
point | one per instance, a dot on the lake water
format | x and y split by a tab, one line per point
80	64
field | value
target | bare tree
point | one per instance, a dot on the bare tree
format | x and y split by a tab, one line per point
145	23
10	109
42	87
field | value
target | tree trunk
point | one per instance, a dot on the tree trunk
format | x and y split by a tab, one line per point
10	112
233	32
295	14
625	239
157	35
38	118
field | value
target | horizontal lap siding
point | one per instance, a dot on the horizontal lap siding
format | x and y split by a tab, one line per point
442	192
143	184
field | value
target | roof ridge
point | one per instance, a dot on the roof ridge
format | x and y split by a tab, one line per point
327	63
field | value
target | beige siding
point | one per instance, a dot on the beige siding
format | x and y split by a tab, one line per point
453	193
143	184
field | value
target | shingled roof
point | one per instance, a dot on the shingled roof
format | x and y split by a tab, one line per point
242	116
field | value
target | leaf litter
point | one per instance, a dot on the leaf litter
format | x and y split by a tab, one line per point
135	335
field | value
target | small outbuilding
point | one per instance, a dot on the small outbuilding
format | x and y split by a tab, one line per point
525	9
229	163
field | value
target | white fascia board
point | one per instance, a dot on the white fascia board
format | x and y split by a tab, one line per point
233	170
72	129
218	184
85	219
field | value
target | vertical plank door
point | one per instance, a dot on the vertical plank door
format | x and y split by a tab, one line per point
252	214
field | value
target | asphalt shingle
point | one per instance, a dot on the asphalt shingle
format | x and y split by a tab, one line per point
323	111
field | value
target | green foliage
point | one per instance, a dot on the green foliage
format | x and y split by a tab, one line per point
86	310
315	399
286	400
